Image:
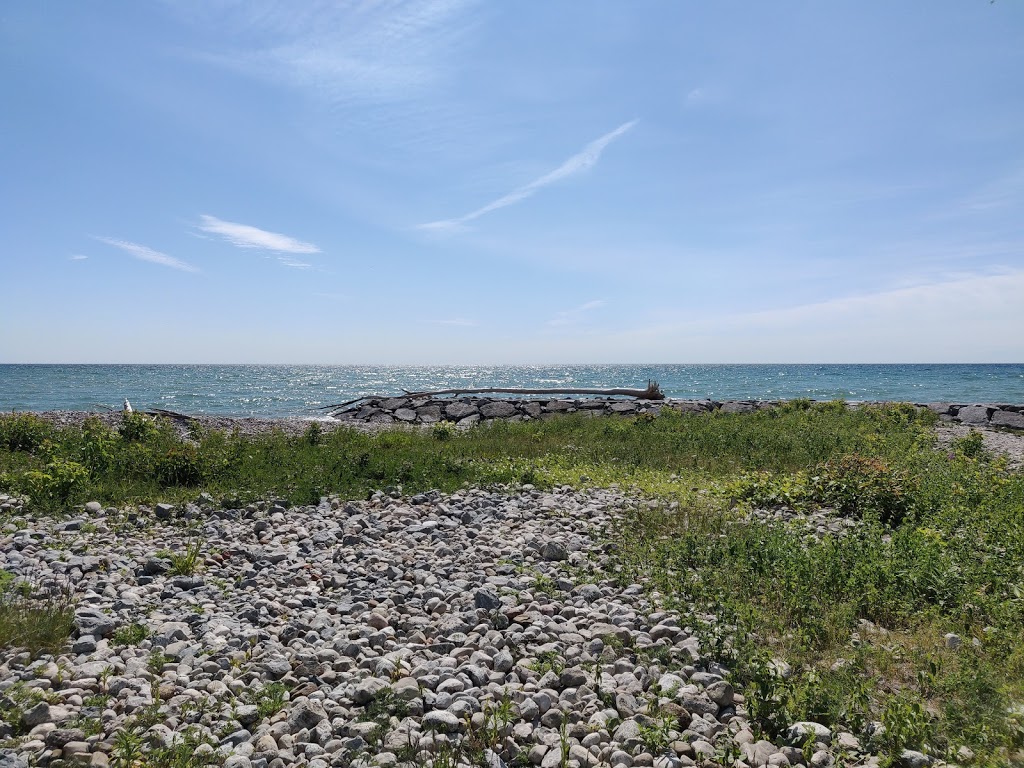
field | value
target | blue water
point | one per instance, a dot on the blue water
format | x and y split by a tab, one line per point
296	390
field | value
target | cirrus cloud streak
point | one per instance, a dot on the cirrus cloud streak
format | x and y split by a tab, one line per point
582	161
246	236
144	253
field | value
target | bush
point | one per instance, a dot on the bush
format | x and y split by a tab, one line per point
178	466
137	427
59	483
23	431
859	485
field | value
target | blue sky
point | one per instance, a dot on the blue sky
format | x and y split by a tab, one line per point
481	182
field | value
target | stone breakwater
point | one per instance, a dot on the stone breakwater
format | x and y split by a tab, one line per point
392	631
466	411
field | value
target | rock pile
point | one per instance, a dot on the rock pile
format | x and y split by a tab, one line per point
980	415
479	625
466	411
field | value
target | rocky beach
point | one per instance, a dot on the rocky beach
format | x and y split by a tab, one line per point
395	630
484	627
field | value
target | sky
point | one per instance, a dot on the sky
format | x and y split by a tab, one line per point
450	181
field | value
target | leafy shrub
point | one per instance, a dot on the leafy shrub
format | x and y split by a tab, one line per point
859	485
23	431
444	430
971	445
98	446
178	466
137	427
314	433
59	483
764	489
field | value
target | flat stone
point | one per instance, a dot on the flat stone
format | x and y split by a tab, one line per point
405	414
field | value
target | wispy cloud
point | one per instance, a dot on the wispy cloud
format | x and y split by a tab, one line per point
457	321
576	314
143	253
77	257
339	52
579	163
940	321
245	236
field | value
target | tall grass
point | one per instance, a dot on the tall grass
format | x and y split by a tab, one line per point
32	619
58	468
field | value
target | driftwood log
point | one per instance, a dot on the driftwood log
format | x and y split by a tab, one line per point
653	392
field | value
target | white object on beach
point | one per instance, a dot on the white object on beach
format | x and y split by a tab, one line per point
127	406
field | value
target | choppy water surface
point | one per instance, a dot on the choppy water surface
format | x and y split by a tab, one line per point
296	390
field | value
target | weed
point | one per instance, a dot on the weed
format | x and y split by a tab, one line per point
971	445
314	433
184	563
656	734
548	661
269	700
545	585
132	634
39	620
128	751
157	661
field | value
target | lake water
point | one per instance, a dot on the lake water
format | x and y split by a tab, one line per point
296	390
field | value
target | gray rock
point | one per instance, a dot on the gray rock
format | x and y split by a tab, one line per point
497	409
305	715
912	759
1007	419
164	511
10	759
368	689
91	621
406	688
487	600
554	550
247	714
573	677
528	710
429	414
84	645
456	411
798	733
721	693
405	414
442	722
973	414
36	715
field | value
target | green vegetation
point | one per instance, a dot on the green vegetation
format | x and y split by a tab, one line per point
131	634
136	463
39	621
932	541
